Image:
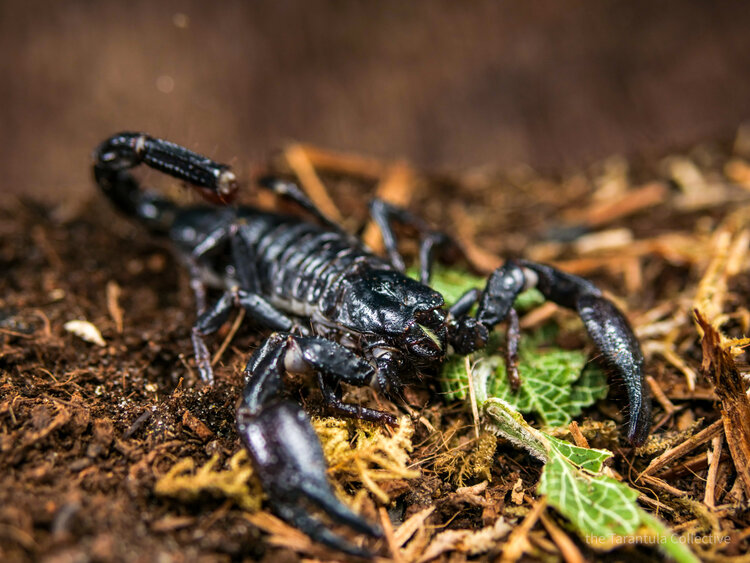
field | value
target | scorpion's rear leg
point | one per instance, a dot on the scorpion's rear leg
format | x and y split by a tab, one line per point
214	317
249	298
605	324
284	448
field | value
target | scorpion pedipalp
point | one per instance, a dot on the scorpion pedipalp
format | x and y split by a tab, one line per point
286	453
610	331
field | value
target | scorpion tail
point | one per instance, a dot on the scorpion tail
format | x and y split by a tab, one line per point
155	211
115	156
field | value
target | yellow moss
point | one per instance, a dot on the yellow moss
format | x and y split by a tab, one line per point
237	482
461	465
362	452
356	451
658	443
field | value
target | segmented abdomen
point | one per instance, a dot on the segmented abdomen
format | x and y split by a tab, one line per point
299	265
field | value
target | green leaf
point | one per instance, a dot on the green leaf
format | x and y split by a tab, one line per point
555	386
504	421
451	283
599	507
584	458
547	378
590	387
552	383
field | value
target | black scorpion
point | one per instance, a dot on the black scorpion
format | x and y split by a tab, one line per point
339	312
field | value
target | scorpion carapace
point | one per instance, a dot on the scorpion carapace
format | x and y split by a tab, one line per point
337	311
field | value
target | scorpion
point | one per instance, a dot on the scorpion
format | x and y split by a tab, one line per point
338	312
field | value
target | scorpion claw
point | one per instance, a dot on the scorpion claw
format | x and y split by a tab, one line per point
606	325
621	355
290	464
301	519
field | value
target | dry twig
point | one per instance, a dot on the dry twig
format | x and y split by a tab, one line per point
718	365
311	183
518	542
113	304
687	446
713	470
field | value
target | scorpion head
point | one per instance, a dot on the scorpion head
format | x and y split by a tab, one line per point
405	312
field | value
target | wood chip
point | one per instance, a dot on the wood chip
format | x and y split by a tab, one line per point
344	163
714	461
664	486
718	365
300	163
171	523
603	240
85	331
196	425
385	523
632	201
113	304
659	395
567	547
471	542
517	493
283	535
687	446
411	525
518	542
538	315
578	437
232	331
483	261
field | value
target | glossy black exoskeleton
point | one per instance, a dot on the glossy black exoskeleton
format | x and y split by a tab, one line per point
338	312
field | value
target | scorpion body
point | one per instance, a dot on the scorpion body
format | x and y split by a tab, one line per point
338	311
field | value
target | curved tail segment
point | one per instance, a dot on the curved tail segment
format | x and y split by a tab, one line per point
117	155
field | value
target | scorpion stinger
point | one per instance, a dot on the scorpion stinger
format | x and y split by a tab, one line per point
341	315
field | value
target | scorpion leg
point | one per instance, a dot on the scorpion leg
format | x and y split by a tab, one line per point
332	396
284	448
606	325
259	309
464	303
292	191
212	320
384	214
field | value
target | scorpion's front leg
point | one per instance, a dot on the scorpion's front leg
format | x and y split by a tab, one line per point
606	325
385	214
285	450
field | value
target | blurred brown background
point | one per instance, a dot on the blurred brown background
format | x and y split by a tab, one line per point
445	84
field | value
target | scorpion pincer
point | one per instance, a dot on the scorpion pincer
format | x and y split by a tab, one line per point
337	311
